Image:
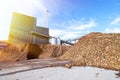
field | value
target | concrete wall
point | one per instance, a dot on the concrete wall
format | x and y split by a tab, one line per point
20	28
41	40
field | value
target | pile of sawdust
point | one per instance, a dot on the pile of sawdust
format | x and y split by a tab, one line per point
19	52
13	53
52	51
96	49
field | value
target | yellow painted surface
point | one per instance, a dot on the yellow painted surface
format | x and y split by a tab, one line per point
20	28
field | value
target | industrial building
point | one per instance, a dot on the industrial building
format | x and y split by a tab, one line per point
21	27
44	31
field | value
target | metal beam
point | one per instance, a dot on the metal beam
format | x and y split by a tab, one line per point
62	41
40	35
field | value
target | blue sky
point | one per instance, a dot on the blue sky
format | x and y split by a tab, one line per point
69	19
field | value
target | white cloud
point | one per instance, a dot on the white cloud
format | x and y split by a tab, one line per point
90	24
56	32
65	34
75	29
116	21
29	7
83	25
114	30
71	35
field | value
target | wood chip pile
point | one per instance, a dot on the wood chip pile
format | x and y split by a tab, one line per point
52	51
13	53
19	52
96	49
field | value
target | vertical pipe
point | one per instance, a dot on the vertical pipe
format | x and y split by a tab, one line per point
34	30
47	18
31	38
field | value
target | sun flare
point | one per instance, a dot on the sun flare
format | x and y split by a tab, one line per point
6	9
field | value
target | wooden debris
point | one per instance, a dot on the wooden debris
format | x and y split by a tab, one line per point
52	51
20	52
96	49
